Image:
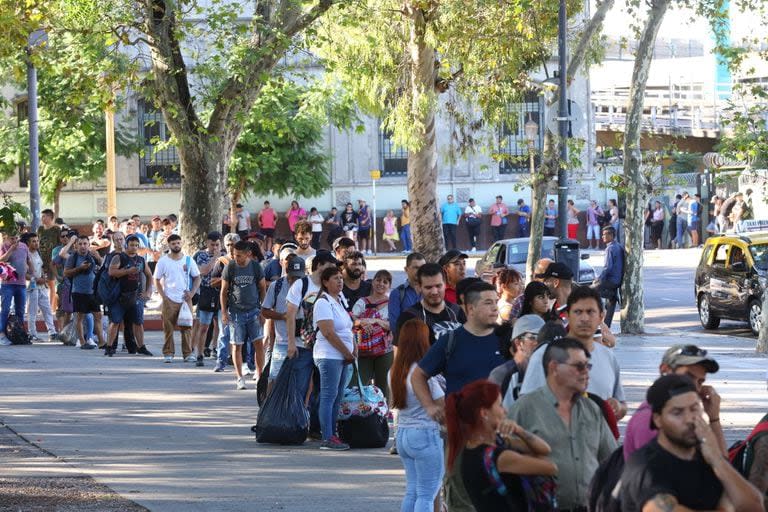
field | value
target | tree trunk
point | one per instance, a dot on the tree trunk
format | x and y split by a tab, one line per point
203	178
633	313
539	182
57	197
422	163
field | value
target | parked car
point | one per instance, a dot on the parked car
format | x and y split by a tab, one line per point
730	279
513	253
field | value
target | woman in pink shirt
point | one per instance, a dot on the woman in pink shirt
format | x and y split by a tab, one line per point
295	214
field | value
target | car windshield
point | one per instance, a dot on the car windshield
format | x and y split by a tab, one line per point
517	252
760	255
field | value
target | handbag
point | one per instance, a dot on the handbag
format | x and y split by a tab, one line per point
372	340
208	299
185	316
363	416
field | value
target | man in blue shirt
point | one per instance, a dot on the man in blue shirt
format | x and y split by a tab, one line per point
404	296
694	219
550	217
450	213
523	215
80	269
610	279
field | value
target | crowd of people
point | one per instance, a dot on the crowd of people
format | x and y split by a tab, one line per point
506	396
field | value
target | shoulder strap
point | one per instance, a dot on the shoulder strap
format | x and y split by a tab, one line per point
189	270
278	287
401	291
450	346
304	286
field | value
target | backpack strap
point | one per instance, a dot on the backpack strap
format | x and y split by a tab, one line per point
304	286
401	292
278	287
450	346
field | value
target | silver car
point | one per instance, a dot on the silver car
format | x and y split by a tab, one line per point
513	253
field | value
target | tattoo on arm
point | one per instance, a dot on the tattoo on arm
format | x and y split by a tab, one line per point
665	502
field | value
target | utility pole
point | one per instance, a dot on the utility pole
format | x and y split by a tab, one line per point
36	38
562	122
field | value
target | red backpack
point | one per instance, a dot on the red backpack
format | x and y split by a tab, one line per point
742	453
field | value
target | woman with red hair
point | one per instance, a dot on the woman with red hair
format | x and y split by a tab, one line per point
492	452
418	436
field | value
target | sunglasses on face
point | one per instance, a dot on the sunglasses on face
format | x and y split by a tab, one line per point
580	366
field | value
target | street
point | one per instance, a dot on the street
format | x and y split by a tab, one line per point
177	438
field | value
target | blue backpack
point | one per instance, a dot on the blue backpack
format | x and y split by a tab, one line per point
106	288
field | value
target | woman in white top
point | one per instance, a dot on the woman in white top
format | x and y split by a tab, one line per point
334	350
418	435
317	227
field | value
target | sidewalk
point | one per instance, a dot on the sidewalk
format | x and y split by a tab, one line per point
177	438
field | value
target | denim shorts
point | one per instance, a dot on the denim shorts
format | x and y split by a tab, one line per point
245	327
279	353
205	317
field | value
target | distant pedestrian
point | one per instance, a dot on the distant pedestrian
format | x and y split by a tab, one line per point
615	222
594	213
450	216
473	215
267	219
405	226
612	276
573	220
390	230
657	225
294	215
364	223
38	296
550	218
498	213
333	223
523	219
317	227
349	221
48	236
682	220
694	218
673	221
243	220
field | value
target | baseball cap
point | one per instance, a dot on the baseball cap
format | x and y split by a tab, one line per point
450	256
297	268
527	323
688	355
558	270
285	251
666	387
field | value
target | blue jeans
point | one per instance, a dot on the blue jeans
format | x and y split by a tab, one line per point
302	367
421	451
333	380
222	345
682	227
16	293
405	237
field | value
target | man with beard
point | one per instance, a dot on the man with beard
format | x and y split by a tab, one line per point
585	313
81	270
303	237
561	414
683	468
177	280
454	264
354	285
439	315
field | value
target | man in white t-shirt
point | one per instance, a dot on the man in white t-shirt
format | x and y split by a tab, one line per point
585	314
177	280
473	215
243	221
301	296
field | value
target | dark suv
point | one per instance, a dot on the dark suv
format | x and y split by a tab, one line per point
730	279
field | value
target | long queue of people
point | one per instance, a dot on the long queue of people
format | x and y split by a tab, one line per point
506	397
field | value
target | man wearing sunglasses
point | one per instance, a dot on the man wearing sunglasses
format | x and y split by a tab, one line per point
693	362
560	413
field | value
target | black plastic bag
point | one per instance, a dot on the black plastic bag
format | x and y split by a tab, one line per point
364	432
283	419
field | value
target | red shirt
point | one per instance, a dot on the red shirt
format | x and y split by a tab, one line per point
267	218
450	294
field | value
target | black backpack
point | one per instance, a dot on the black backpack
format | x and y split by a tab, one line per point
15	331
604	489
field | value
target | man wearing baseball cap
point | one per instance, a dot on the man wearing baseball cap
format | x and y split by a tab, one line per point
559	279
274	307
454	264
517	348
693	362
683	468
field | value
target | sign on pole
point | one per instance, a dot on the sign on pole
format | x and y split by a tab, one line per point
375	176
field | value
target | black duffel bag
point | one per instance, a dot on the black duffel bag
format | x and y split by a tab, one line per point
364	431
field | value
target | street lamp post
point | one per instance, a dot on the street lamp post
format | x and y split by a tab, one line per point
36	38
562	121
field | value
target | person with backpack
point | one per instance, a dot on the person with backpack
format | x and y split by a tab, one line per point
404	295
135	282
13	289
177	279
687	360
684	466
517	349
222	344
495	452
373	332
208	300
242	285
275	305
334	349
418	435
563	416
81	270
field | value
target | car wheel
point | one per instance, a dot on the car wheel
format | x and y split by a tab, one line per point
755	316
708	320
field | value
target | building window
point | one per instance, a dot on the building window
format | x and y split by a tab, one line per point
22	114
513	154
159	162
394	160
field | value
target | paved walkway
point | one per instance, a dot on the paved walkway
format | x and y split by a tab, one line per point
175	437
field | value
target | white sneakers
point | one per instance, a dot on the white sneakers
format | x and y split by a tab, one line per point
168	359
246	370
4	341
240	384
